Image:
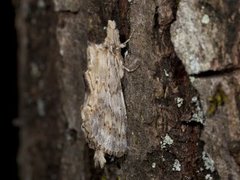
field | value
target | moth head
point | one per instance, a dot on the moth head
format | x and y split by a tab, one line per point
112	38
111	24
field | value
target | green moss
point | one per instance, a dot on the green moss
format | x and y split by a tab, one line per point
177	2
103	178
218	99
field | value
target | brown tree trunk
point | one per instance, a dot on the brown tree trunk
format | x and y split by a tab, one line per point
183	101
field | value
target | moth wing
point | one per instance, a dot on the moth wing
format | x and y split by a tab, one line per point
104	111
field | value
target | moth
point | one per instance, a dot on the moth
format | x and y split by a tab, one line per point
104	111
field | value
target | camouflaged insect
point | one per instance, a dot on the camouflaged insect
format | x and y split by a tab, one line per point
104	112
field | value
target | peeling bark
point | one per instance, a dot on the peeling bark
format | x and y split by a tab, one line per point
206	38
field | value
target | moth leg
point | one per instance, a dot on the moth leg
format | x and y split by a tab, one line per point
131	70
123	45
135	63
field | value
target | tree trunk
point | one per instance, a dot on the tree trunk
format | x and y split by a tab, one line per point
182	102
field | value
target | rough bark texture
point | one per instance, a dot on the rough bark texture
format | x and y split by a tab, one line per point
206	36
182	124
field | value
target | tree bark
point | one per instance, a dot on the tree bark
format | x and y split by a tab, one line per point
183	101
